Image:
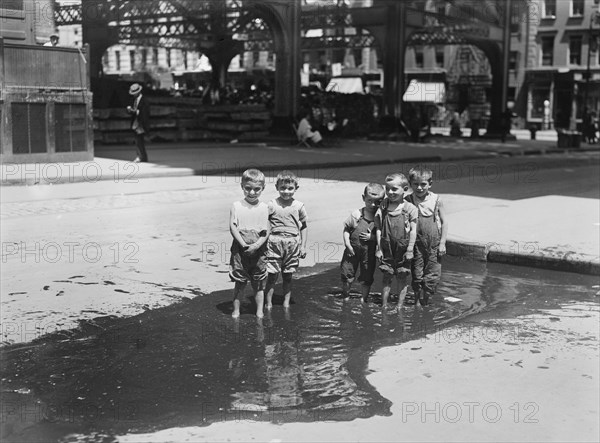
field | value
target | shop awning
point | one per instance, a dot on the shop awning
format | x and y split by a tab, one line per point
427	92
346	85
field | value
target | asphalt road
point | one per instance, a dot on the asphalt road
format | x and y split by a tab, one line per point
512	178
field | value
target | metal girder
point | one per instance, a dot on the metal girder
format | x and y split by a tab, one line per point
180	23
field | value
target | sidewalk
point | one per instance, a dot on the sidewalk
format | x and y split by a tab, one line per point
524	232
113	162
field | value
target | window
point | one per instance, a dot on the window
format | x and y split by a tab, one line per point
439	56
118	60
155	56
577	7
575	50
12	4
419	56
549	9
547	51
144	56
132	60
512	60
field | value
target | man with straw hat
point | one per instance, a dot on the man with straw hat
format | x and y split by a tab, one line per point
139	120
53	40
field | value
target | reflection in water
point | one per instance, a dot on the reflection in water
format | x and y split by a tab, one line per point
191	364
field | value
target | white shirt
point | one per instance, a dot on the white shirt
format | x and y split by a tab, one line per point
249	217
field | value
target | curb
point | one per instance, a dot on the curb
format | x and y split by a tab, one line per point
490	252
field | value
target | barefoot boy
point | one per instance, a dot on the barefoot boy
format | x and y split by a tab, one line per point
287	243
432	229
360	242
249	226
396	223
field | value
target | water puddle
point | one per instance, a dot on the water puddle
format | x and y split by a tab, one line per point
190	364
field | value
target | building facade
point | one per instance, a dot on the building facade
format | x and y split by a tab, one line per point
562	62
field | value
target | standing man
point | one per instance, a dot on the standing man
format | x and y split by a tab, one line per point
53	40
140	119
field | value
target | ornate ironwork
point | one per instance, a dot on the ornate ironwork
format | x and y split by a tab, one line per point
189	24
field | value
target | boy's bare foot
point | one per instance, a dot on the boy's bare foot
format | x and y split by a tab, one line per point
268	307
286	304
259	315
235	314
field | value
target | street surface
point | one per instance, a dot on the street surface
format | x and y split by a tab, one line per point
84	255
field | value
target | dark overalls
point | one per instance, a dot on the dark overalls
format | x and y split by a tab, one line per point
426	268
364	254
394	242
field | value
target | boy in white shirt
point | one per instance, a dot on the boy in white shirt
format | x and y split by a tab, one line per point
249	226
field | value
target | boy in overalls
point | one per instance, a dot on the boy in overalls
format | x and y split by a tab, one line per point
432	229
395	224
360	243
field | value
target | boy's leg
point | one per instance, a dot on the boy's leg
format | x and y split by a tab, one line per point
402	279
287	288
367	270
366	290
417	268
259	296
432	274
237	290
348	269
270	288
385	291
346	286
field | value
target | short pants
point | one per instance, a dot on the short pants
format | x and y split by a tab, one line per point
283	254
244	267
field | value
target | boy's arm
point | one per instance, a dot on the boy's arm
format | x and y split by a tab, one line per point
303	217
412	238
234	229
377	228
303	239
412	234
347	245
444	221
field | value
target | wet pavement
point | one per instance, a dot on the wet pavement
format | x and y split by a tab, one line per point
190	364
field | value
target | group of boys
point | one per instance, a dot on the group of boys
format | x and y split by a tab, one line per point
406	234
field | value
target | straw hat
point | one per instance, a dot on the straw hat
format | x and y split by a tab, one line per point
134	89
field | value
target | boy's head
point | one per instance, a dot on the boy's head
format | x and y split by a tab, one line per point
253	184
396	185
373	194
286	184
420	179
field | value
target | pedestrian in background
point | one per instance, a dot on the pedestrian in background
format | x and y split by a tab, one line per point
140	121
432	229
506	123
53	40
305	132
